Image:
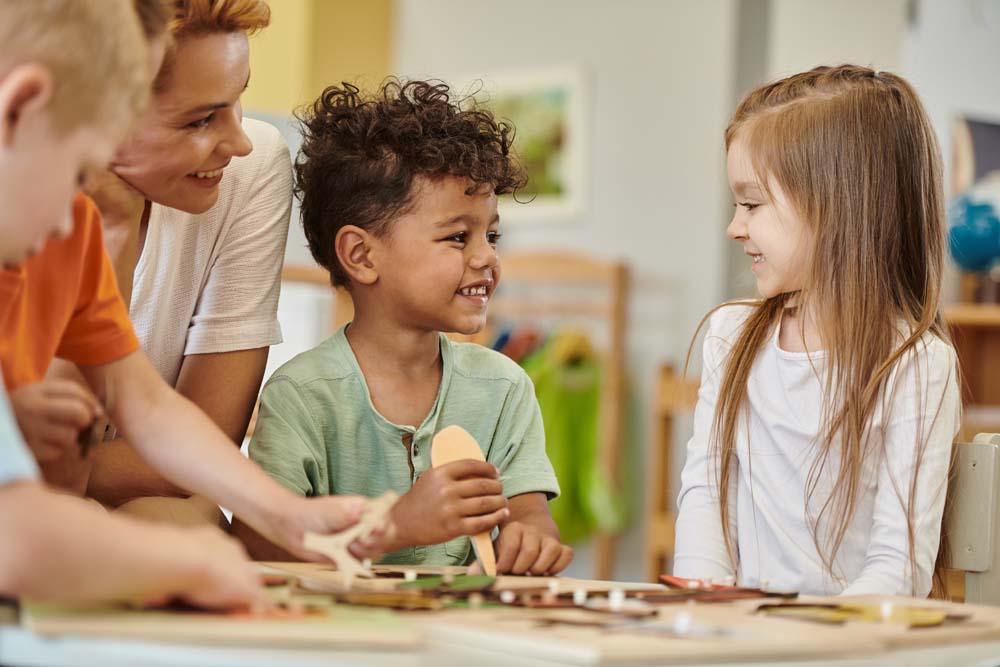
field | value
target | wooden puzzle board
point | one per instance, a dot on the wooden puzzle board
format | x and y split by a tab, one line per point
722	632
325	578
340	627
733	633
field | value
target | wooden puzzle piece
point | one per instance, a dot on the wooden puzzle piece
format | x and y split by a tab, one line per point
454	443
335	546
838	614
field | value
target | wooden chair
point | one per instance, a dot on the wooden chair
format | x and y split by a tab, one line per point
565	288
675	396
547	287
342	308
972	522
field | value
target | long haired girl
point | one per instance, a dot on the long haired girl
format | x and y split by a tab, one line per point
827	409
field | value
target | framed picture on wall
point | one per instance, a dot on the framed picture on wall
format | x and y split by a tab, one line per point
546	107
975	152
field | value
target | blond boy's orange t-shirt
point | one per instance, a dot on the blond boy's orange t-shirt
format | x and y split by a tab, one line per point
63	302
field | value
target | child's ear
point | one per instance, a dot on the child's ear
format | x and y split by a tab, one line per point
353	246
25	90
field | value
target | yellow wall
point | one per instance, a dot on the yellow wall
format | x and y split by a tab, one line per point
311	44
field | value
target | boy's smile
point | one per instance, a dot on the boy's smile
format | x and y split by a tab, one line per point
479	292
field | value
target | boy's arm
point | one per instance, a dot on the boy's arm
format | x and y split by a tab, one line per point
180	442
529	540
223	385
57	547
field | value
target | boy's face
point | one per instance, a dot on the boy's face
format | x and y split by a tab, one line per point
40	171
438	265
771	233
192	130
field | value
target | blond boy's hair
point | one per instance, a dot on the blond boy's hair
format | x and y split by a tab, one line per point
95	49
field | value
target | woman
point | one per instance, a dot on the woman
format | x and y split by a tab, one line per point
217	192
196	215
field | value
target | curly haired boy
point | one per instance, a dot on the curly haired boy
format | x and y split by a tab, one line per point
399	202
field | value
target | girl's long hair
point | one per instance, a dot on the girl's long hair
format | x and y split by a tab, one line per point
855	155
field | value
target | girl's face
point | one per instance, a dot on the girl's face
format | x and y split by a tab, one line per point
771	233
180	147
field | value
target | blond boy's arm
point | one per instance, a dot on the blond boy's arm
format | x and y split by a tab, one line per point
223	385
58	547
257	546
182	444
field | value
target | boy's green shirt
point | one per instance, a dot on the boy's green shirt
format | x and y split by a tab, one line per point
318	432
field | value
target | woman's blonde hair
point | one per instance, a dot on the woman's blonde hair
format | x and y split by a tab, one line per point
854	153
194	18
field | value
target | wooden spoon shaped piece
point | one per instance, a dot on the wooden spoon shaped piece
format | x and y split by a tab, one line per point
454	443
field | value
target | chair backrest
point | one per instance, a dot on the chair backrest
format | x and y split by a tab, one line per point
971	524
342	306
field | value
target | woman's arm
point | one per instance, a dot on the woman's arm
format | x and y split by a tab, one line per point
223	385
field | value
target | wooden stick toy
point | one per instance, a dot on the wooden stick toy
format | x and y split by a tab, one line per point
93	434
335	546
454	443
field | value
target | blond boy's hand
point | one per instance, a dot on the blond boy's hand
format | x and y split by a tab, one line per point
460	498
524	548
325	515
51	414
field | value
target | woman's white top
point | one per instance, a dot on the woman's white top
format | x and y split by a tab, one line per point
775	449
210	282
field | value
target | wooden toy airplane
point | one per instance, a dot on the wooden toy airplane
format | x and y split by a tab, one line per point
454	443
335	546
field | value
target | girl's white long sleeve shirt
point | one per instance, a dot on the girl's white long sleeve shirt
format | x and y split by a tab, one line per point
776	446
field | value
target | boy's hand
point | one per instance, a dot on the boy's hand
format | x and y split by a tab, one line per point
460	498
524	548
51	414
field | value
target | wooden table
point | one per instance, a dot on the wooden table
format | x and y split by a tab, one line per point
23	649
718	634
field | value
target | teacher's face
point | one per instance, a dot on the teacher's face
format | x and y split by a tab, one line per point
180	148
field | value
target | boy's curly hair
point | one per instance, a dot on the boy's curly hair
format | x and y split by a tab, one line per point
360	156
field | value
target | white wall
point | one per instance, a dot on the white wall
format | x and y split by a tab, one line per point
806	33
660	79
951	54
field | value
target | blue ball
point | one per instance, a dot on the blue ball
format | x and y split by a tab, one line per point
974	236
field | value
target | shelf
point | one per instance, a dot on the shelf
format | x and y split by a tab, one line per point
973	314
